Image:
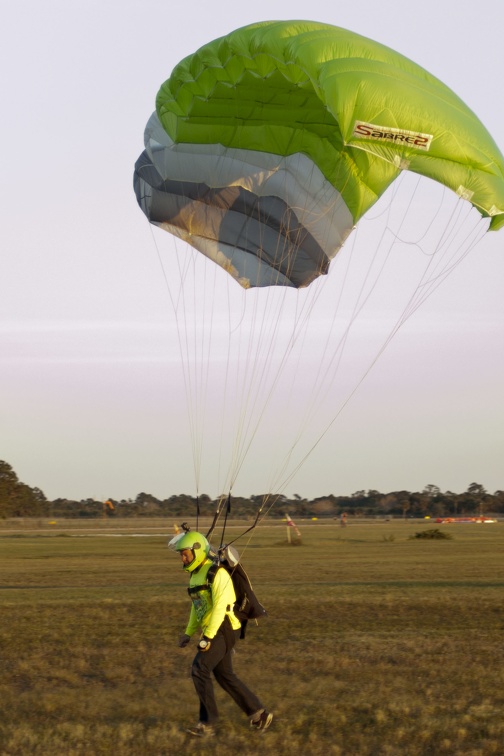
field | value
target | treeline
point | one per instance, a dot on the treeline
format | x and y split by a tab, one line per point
19	500
16	498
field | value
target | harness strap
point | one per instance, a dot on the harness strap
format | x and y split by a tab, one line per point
205	586
198	589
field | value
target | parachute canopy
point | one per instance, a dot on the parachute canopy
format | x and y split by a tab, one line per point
270	143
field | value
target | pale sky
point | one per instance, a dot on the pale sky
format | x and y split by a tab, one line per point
92	399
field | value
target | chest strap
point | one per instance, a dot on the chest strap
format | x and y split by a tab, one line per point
205	586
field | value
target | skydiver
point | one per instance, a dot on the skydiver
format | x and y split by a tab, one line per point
212	612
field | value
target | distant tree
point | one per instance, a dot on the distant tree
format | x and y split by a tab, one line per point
395	502
16	498
498	501
146	504
323	506
421	504
431	490
385	504
8	481
476	489
475	498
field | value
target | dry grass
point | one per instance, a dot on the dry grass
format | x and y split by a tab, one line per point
374	645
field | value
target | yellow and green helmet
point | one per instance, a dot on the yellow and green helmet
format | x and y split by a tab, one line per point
198	544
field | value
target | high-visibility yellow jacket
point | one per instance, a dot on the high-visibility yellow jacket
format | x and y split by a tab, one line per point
211	605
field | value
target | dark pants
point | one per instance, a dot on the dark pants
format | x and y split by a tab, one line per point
218	659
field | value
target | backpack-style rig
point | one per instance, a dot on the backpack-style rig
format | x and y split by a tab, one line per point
247	606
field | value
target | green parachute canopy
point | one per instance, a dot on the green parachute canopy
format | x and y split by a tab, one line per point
270	143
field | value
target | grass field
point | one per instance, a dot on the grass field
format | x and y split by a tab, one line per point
376	643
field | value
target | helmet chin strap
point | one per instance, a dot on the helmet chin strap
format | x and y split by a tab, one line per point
198	568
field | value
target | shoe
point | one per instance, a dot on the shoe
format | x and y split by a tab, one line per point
263	722
201	730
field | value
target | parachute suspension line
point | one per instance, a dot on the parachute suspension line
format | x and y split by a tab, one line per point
260	347
203	353
470	240
187	359
175	303
249	378
396	186
195	339
332	354
259	344
252	413
215	518
251	384
249	372
325	376
250	418
446	256
406	313
163	271
429	281
226	515
251	528
258	358
306	310
238	384
253	403
245	370
225	390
